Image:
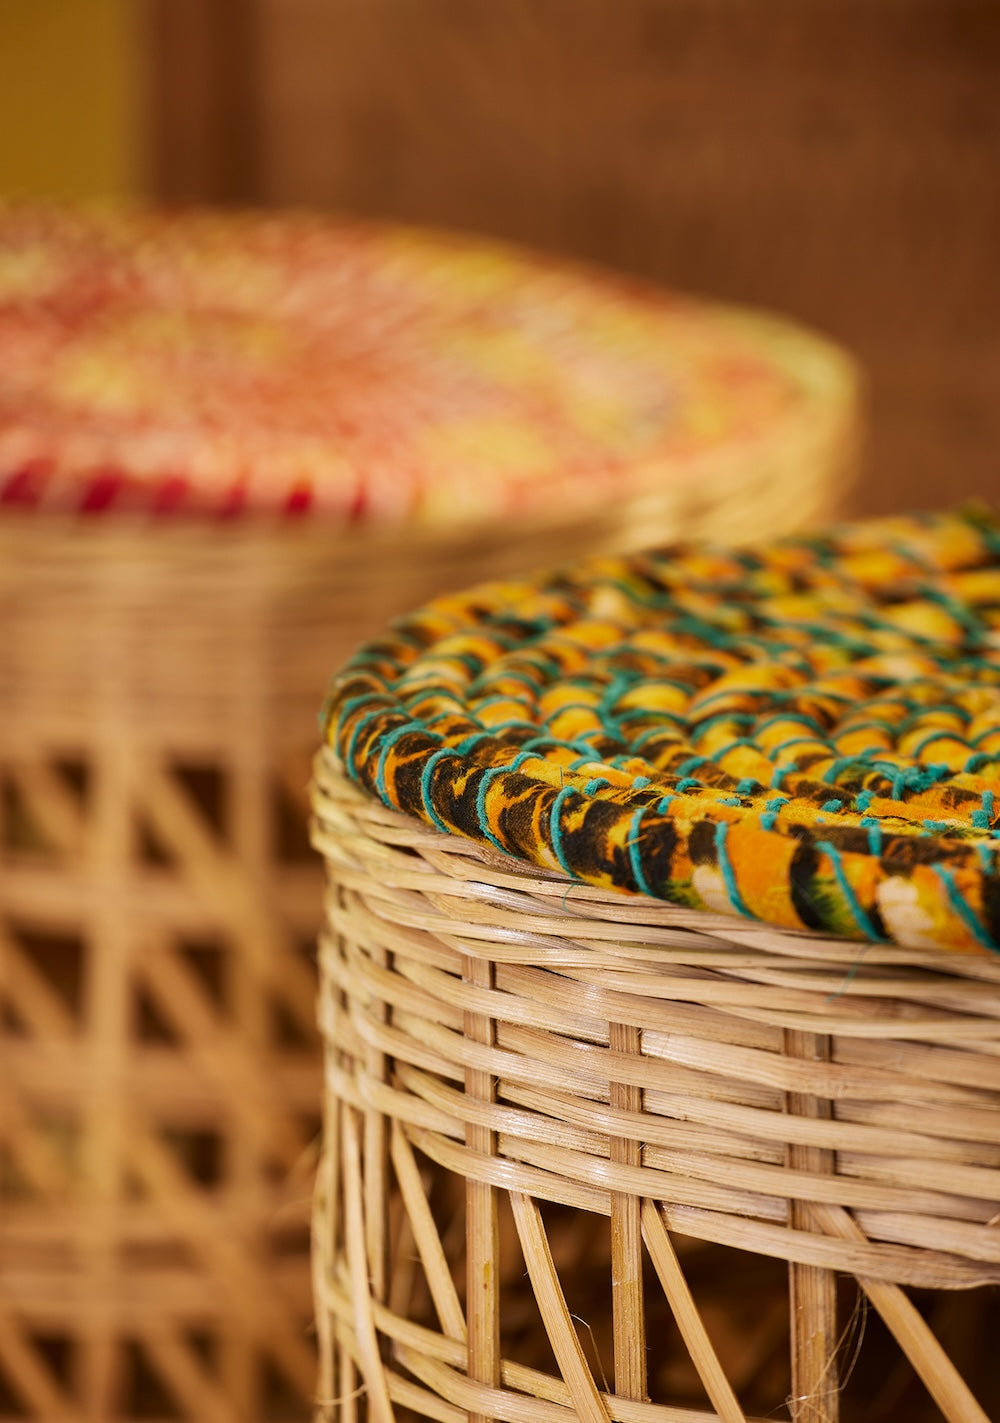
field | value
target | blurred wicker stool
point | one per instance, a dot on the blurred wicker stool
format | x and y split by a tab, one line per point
176	395
576	1134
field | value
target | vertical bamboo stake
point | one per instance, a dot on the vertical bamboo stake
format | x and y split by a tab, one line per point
627	1302
248	832
380	1408
324	1245
812	1291
376	1148
481	1225
109	851
348	1396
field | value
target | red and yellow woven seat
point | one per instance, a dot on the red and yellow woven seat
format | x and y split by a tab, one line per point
210	364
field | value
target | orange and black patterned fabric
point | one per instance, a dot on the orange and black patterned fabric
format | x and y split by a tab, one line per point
806	733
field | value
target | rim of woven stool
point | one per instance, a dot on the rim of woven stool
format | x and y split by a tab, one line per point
223	364
805	733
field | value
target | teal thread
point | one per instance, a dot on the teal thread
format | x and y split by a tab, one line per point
484	826
963	909
425	785
555	829
724	751
982	818
930	738
351	751
345	709
771	809
726	870
388	742
798	741
862	920
691	764
803	718
634	855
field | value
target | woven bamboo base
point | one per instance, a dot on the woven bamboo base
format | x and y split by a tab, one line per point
592	1156
158	905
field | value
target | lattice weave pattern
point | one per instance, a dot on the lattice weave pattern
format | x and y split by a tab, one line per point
158	912
158	1122
806	733
549	1106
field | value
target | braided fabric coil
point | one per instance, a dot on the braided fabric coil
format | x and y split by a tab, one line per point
805	733
205	363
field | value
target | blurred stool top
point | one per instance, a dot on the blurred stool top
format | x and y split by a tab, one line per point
209	364
806	732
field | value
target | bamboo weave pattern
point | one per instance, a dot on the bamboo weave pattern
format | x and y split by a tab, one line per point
807	733
159	679
572	1136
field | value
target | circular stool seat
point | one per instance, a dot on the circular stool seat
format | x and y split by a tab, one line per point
661	956
230	447
210	364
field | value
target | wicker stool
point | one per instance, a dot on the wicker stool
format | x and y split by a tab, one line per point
161	664
582	1121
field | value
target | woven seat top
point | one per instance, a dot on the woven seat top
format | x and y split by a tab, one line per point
806	733
202	362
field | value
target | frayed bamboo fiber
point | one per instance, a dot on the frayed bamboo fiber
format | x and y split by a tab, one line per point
567	1056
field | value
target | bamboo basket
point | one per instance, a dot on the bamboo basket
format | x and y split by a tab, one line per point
597	1153
159	684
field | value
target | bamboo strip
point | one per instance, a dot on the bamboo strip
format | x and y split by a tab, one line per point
944	1383
354	1232
27	1370
427	1239
689	1321
556	1317
483	1246
812	1291
325	1238
420	1349
627	1306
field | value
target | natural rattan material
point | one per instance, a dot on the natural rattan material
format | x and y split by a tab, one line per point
160	675
158	697
515	1059
805	732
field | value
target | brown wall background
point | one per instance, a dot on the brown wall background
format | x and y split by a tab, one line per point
838	160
